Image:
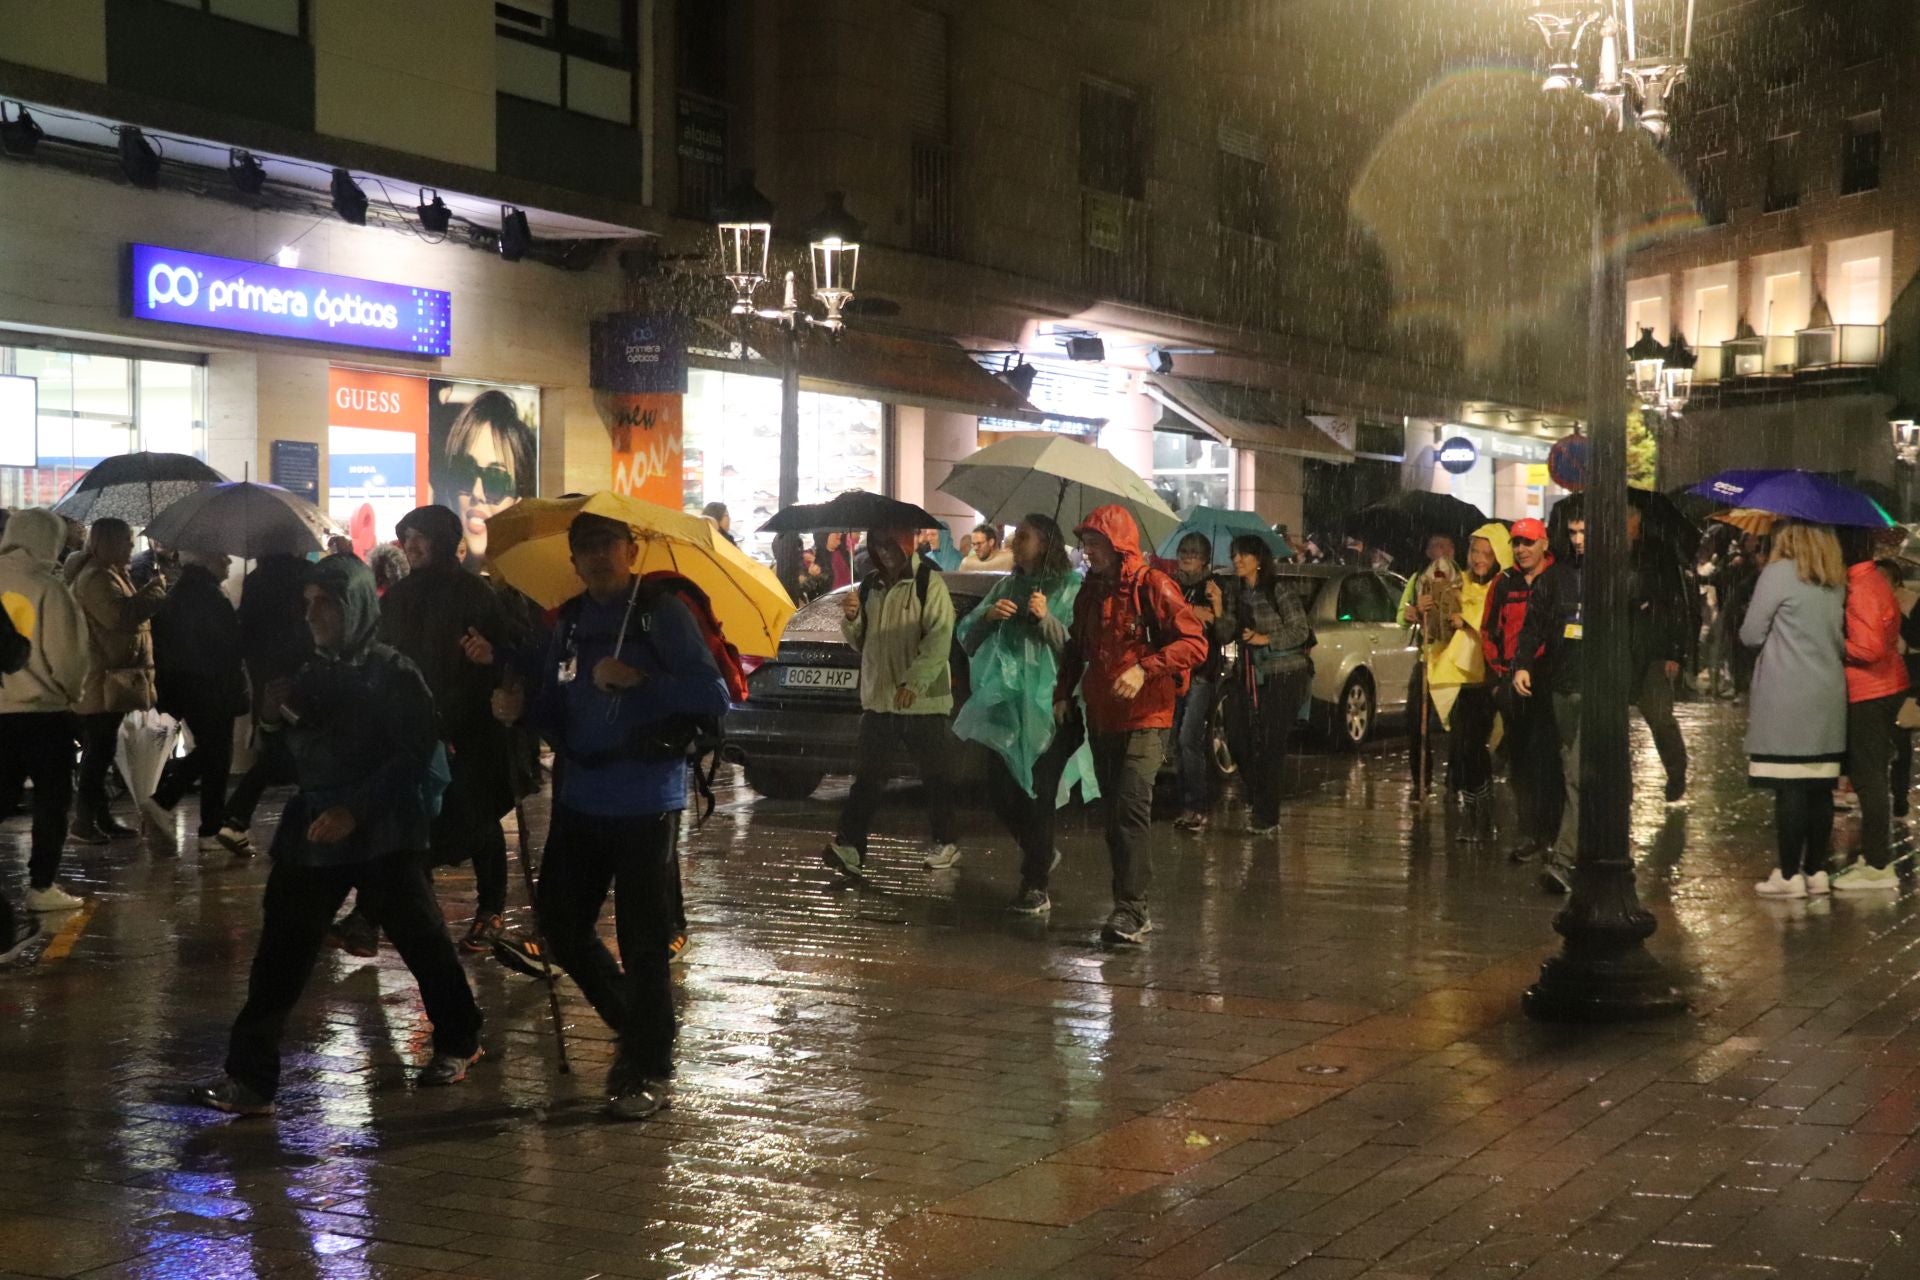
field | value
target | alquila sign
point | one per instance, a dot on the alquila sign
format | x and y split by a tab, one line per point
173	286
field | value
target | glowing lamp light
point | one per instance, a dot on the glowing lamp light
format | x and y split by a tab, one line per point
743	219
1649	361
833	238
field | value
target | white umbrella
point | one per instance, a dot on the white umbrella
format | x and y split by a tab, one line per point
1057	476
244	519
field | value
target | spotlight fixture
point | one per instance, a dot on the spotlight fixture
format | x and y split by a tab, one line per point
288	256
349	201
1159	360
1086	346
20	133
138	160
435	217
245	171
1020	378
515	239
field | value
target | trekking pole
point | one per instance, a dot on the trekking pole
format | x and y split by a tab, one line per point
540	943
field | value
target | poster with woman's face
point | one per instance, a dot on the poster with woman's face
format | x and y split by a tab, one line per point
483	454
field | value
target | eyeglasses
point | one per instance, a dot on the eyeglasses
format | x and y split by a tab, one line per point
496	482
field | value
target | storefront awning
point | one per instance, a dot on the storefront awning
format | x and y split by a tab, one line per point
1248	417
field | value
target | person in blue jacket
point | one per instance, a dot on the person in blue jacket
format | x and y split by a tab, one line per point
626	673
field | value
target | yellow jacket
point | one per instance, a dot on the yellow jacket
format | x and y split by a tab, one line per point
1460	662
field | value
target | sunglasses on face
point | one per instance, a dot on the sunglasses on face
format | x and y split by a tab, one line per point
496	482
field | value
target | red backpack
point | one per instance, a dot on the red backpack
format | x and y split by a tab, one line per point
725	656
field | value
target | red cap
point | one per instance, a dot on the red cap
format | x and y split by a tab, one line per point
1529	531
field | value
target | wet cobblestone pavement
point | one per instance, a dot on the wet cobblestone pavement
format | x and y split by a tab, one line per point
1316	1069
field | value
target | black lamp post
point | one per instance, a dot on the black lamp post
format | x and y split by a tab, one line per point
744	220
1604	971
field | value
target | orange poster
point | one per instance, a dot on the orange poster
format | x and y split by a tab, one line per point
646	432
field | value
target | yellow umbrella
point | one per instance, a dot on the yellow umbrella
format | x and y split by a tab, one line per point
527	546
1748	520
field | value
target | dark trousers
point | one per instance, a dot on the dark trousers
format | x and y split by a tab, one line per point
1534	754
1260	723
883	736
1870	768
1031	817
298	907
1192	734
1654	697
272	766
458	835
1125	764
38	746
586	856
210	763
1470	761
1902	770
1803	825
98	734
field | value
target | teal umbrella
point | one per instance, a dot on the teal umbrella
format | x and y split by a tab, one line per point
1220	527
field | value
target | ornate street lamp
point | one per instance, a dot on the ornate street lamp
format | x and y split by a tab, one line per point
1604	971
833	238
744	219
1678	375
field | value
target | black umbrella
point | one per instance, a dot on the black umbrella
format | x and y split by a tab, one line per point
1660	519
1442	513
135	487
854	509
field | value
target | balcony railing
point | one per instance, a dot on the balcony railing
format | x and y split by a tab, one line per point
1784	355
1841	346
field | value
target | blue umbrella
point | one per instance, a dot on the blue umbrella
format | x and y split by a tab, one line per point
1800	495
1220	527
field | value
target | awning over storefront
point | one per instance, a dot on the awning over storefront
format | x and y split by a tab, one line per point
1249	417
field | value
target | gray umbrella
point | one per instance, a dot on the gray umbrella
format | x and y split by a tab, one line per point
135	487
244	519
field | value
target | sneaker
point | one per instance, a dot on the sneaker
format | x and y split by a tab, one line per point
237	842
482	932
18	948
1555	878
1126	928
210	844
1779	886
1862	878
1676	790
354	934
447	1068
1818	885
677	947
941	857
234	1098
1030	902
637	1099
53	898
83	831
844	858
519	953
113	828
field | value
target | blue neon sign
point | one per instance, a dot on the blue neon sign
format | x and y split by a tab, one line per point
176	287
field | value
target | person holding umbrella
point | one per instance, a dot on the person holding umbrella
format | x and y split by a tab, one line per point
1193	714
1133	643
1275	668
120	677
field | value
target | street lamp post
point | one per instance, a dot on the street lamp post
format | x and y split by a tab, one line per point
1604	971
744	221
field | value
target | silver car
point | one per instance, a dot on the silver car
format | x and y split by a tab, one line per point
1365	657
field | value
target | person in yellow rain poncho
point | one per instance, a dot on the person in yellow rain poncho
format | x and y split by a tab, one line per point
1458	681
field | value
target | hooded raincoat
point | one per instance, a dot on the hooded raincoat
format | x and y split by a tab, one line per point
904	641
45	612
1462	661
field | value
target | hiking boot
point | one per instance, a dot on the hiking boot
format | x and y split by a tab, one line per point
844	858
520	953
482	932
940	857
1125	927
447	1068
637	1099
355	934
1861	878
677	947
1030	902
234	1098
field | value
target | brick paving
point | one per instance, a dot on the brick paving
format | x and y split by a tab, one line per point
1316	1070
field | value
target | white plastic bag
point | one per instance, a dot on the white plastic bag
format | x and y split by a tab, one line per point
147	740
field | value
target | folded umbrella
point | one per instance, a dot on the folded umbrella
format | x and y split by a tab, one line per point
135	487
1799	495
527	547
854	509
1055	476
245	519
1220	527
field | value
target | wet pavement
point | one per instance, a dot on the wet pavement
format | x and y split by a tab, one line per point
1317	1068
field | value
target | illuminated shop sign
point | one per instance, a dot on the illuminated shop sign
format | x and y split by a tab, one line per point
198	289
1459	455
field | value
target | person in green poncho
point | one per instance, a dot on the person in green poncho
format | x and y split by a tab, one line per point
1014	638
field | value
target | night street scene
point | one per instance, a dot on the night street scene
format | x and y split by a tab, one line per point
959	639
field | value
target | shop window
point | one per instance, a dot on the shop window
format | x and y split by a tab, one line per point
1190	471
1860	157
579	55
288	17
1112	142
1783	173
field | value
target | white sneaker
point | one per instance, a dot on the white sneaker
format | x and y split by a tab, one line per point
1818	884
53	898
940	857
1778	886
1861	878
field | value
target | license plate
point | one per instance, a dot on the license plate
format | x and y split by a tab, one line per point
820	678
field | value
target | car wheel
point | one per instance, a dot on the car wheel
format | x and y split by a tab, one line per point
782	782
1219	754
1353	714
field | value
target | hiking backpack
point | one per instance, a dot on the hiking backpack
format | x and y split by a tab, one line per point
959	670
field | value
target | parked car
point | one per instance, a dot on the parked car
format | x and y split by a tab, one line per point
1365	656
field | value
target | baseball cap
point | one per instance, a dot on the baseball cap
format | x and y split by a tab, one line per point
1529	531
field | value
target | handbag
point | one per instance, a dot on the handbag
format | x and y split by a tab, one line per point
127	689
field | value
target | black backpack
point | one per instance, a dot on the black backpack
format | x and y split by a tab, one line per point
15	648
959	670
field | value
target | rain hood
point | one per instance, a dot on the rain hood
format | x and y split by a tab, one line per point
1116	523
351	583
36	533
1496	533
439	526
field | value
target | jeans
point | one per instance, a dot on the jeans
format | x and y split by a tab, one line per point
1654	697
98	734
1870	767
1803	825
586	856
38	746
210	763
883	736
298	907
1125	764
1031	817
272	766
1259	724
1566	719
1192	726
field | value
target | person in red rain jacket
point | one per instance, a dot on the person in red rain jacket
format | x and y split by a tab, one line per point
1876	686
1533	739
1134	639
